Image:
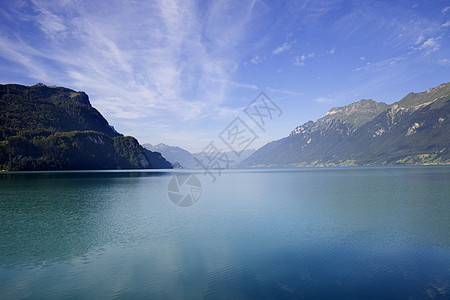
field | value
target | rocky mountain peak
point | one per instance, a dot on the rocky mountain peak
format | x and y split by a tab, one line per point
414	101
353	115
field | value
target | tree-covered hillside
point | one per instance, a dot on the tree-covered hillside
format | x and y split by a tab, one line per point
55	128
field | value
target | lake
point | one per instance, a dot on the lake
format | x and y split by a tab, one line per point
352	233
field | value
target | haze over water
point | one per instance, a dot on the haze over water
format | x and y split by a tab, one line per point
253	234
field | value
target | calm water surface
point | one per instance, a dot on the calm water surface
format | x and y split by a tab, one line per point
358	233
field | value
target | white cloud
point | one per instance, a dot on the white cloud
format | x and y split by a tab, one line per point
331	51
444	62
281	49
362	58
51	24
256	60
381	65
446	24
156	57
299	61
445	9
23	55
419	40
430	45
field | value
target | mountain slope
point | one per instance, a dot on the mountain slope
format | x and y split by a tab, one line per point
417	132
189	160
174	154
412	130
55	128
43	109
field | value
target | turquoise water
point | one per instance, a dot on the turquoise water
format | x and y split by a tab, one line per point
366	233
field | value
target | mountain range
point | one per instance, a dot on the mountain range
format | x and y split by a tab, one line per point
55	128
414	130
184	159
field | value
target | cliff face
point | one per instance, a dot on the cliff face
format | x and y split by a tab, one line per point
55	128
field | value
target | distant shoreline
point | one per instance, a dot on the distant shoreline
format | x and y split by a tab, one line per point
200	171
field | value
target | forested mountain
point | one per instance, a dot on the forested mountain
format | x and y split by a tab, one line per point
55	128
414	130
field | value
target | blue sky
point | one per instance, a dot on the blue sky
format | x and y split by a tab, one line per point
179	72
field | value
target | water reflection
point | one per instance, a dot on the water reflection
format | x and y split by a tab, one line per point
349	232
56	216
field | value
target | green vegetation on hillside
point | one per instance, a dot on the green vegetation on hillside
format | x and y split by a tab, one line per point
53	128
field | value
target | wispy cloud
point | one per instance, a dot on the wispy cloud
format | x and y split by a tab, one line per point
195	62
281	49
381	65
24	55
51	24
152	56
430	45
256	60
419	40
300	60
444	62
